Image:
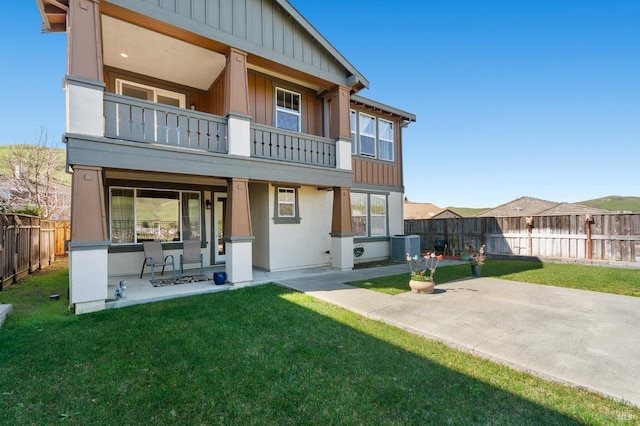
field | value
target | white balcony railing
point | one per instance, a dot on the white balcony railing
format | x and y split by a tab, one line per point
133	119
284	145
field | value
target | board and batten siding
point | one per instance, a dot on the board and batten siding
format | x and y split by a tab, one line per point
379	172
262	103
260	27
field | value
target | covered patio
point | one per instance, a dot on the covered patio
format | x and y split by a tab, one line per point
140	290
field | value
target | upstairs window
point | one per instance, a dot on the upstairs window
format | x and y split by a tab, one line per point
385	139
287	110
150	93
354	140
372	136
367	135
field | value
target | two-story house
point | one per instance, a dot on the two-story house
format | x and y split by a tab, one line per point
235	123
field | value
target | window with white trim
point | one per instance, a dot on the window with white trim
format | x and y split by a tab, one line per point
287	110
372	136
369	214
367	135
150	93
143	214
352	123
286	205
385	139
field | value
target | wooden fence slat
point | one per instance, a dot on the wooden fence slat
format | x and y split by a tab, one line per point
612	237
27	243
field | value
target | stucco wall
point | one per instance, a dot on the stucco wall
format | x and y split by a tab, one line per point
304	244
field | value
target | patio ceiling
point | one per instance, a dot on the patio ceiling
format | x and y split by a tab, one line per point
136	49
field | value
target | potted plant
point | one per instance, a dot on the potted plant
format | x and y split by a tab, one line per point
421	280
477	260
468	251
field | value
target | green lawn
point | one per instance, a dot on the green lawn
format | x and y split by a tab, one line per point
260	355
595	278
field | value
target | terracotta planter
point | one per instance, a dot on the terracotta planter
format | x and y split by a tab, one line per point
421	286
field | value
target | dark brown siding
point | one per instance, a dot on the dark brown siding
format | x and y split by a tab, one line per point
261	104
378	172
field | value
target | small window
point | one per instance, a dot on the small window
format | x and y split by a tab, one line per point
150	93
385	144
287	110
367	135
286	205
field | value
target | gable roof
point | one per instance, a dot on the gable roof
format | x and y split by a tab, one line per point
355	78
420	210
529	206
406	116
446	214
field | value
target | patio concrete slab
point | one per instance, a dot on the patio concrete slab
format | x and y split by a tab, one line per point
581	338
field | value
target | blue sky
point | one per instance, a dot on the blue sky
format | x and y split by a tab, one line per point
538	98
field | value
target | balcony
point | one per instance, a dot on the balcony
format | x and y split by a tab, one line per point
135	120
284	145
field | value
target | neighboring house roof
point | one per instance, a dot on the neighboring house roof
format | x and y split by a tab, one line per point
420	210
446	214
570	208
529	206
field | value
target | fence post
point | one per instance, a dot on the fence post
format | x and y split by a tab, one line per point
589	246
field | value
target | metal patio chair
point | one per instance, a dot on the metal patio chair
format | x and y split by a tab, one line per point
154	256
191	254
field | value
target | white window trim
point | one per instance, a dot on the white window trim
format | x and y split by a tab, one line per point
135	219
353	124
369	215
389	141
374	136
277	219
156	91
288	110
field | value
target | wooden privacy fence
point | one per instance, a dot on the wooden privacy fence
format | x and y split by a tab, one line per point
27	243
62	235
607	237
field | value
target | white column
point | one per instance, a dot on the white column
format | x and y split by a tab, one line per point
239	134
342	252
85	106
239	264
343	154
88	273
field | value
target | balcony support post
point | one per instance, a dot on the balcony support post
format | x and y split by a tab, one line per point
341	231
238	233
236	103
88	248
339	126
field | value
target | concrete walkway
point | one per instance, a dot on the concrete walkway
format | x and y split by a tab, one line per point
586	339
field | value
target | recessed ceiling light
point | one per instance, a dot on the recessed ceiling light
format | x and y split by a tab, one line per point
124	55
